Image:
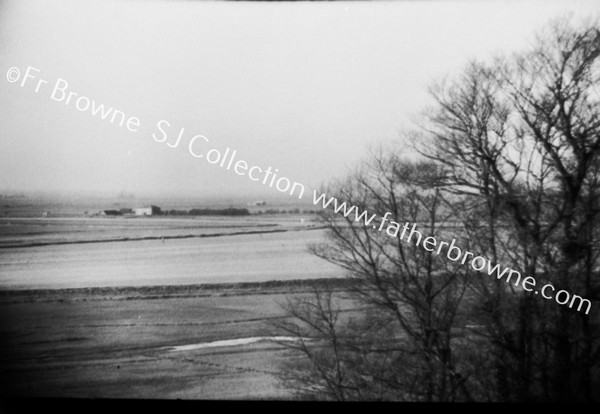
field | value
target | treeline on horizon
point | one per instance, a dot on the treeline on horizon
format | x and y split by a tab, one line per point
232	212
209	212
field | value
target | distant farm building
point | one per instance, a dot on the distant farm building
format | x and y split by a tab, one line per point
147	211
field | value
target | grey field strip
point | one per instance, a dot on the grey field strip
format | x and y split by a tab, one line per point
148	324
175	291
143	238
128	239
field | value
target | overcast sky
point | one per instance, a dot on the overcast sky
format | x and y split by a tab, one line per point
301	87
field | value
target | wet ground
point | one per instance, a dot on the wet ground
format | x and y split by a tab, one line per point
161	342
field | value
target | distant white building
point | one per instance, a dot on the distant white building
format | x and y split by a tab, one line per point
147	211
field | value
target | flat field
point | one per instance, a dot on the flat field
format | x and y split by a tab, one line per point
121	342
97	307
70	253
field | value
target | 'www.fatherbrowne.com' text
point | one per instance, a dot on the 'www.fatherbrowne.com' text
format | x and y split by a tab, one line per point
409	233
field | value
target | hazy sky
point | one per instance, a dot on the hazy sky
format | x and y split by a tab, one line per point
301	87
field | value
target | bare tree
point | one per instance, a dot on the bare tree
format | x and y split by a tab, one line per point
513	172
406	342
520	141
